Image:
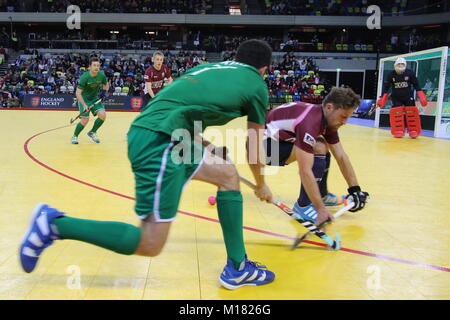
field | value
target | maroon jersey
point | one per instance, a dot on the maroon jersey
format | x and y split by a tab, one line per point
300	123
156	77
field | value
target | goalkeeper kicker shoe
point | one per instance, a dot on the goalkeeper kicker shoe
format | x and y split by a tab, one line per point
249	274
39	236
74	140
93	136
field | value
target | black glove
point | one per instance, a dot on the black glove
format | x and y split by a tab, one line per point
103	94
358	197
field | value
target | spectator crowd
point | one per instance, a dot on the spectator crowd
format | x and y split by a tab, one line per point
112	6
269	7
330	7
289	79
295	78
335	40
36	73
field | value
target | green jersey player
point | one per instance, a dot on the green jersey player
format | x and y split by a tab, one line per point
164	157
92	86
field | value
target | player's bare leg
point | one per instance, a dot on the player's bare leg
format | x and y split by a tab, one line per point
153	237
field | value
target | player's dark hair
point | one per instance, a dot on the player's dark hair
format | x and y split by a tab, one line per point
342	98
93	59
256	53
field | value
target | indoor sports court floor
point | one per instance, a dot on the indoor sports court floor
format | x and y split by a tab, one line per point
396	248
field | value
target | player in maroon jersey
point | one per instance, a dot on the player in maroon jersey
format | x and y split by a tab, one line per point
306	132
154	78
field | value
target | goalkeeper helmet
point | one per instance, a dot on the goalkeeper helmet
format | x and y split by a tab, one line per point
400	65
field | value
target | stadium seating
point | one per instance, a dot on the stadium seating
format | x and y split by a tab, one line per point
332	7
294	84
20	80
140	6
117	91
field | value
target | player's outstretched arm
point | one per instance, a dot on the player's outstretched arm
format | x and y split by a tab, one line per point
359	198
255	158
344	164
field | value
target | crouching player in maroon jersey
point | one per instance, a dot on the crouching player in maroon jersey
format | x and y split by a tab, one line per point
154	78
402	81
305	132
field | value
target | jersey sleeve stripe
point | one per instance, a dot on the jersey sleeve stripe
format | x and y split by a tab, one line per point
302	116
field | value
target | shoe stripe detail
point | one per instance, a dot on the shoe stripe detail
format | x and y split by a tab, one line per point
54	231
43	224
253	276
29	252
239	280
35	240
263	276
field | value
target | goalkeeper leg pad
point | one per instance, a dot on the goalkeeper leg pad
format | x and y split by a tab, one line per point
413	121
397	119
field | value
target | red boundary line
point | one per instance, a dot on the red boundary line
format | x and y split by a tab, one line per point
367	254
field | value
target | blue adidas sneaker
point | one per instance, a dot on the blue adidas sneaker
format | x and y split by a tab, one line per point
331	199
249	274
306	213
93	136
40	235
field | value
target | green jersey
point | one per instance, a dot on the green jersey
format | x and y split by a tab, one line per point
91	86
208	95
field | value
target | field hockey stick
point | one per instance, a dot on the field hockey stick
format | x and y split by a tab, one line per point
372	109
333	244
88	109
299	240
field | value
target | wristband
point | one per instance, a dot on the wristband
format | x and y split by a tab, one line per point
354	189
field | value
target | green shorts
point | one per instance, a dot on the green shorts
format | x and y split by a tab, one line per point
161	168
99	106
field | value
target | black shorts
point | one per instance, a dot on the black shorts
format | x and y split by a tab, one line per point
405	102
284	150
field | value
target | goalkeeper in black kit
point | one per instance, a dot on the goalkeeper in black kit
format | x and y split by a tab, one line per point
403	81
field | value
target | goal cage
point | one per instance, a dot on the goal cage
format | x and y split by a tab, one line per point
432	71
